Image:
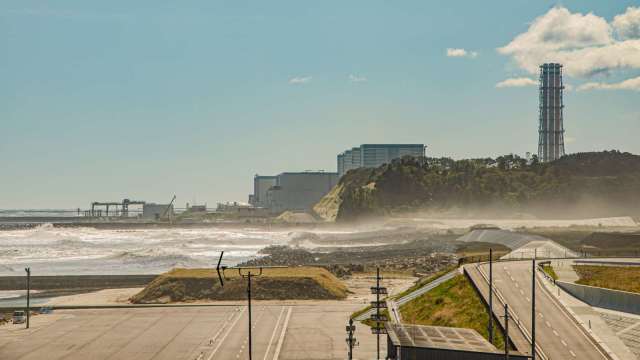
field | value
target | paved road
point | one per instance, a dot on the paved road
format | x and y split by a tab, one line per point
556	332
279	331
521	341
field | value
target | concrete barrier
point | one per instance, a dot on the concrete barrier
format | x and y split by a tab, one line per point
604	298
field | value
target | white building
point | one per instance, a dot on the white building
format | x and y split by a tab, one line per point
374	155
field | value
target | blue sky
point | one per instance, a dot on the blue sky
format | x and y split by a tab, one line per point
146	99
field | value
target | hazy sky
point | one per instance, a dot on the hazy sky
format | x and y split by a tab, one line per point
101	100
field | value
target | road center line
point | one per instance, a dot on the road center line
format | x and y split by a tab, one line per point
281	340
273	335
226	334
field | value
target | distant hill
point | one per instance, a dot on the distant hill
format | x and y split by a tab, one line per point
596	184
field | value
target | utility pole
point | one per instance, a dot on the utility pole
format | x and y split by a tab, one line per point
533	306
245	275
351	341
28	270
248	277
506	331
491	295
377	317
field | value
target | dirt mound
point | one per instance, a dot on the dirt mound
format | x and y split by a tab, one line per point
300	283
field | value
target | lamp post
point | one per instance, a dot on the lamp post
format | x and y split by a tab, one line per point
28	270
533	306
491	295
245	273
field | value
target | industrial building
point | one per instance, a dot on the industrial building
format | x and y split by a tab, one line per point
156	211
261	184
374	155
299	191
440	343
551	127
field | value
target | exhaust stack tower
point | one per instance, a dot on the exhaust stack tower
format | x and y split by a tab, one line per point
551	127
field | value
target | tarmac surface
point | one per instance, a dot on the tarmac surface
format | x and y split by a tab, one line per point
557	334
314	331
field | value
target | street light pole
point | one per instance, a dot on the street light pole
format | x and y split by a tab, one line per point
249	301
247	275
506	330
28	270
533	307
491	295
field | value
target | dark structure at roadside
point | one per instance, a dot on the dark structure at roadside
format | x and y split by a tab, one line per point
440	343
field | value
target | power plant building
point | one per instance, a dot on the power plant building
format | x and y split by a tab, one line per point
299	191
156	211
551	127
291	191
374	155
261	184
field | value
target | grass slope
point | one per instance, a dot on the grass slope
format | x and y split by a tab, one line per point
549	270
454	303
300	283
610	277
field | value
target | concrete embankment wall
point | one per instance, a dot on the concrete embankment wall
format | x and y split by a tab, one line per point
604	298
75	282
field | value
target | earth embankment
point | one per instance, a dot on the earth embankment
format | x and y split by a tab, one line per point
299	283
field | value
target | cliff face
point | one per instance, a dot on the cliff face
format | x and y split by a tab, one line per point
580	185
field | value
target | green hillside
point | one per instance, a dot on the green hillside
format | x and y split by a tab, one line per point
579	185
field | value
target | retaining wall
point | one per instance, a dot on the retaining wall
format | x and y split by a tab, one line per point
604	298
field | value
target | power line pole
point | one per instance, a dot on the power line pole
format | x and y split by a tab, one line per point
506	331
351	341
248	277
377	317
28	270
245	275
491	295
533	306
378	312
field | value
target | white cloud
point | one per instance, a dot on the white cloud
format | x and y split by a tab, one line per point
517	82
300	80
627	25
451	52
583	43
357	79
630	84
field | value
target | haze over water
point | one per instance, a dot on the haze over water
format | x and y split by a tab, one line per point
50	250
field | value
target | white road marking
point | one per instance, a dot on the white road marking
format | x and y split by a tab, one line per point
226	334
572	353
555	333
281	339
563	343
273	335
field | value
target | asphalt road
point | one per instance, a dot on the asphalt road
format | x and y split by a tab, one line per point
279	331
556	332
